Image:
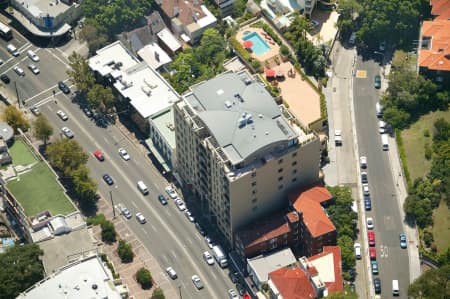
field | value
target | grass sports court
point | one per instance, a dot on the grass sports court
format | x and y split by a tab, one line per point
37	190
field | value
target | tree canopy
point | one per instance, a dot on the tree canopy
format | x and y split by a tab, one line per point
66	155
432	284
80	73
15	118
101	98
20	268
42	128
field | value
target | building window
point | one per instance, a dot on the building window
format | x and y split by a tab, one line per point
254	200
294	171
280	187
253	184
280	178
280	161
280	170
294	155
294	180
254	192
294	163
253	174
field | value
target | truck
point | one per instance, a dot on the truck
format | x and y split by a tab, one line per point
220	256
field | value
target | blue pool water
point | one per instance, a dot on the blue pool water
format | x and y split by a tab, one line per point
259	45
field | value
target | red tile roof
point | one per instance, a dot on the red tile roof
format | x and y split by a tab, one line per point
440	9
338	284
292	283
314	217
319	194
437	57
183	10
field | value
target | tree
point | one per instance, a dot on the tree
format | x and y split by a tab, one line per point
158	294
66	155
101	98
442	130
15	118
432	284
94	37
125	252
42	128
144	278
211	50
20	268
80	73
84	186
347	253
396	118
108	232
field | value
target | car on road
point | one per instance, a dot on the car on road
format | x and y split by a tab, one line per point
210	242
208	258
377	285
374	267
63	87
180	204
403	243
200	229
189	216
197	282
99	155
363	162
19	71
33	56
369	221
141	218
367	203
364	178
371	238
171	192
232	294
365	188
124	154
87	111
34	69
381	127
62	115
108	179
372	253
1	61
162	199
338	137
5	78
377	82
126	213
12	50
357	247
67	132
171	272
35	110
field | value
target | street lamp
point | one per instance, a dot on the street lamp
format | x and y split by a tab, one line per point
112	201
382	59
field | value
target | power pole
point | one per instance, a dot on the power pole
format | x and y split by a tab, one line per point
17	93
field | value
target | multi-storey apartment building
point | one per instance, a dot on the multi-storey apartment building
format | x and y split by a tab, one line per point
239	152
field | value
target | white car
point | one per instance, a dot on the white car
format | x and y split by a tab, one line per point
365	188
338	137
124	154
181	205
141	218
19	71
232	294
33	69
197	282
369	221
171	272
210	242
62	115
381	127
67	132
357	247
33	56
126	213
35	110
208	258
189	215
363	161
172	193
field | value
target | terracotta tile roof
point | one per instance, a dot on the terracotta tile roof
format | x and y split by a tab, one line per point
314	217
437	57
317	193
292	283
264	230
338	284
185	9
440	9
293	217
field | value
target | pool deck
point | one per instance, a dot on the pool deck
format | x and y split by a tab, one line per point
274	47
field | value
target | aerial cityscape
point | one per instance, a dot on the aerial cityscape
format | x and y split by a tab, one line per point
264	149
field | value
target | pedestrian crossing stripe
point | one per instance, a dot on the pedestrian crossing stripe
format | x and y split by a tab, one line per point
361	74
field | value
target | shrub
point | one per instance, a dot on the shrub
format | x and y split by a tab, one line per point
284	50
428	151
108	232
125	252
401	150
256	64
158	294
428	238
95	220
426	133
144	277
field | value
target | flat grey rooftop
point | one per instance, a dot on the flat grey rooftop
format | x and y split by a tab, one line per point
40	8
240	114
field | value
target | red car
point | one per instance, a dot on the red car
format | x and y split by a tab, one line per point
99	155
372	253
371	236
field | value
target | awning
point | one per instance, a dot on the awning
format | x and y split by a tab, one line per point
157	155
270	73
248	44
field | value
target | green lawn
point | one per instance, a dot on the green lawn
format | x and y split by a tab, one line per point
20	153
441	227
414	142
38	190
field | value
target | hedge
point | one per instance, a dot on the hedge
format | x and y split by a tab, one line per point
401	150
268	30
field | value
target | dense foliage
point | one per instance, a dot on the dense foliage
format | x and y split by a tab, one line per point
20	268
440	166
157	294
144	278
125	252
432	284
345	219
80	72
42	129
15	118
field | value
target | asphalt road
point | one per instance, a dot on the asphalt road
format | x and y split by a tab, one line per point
168	234
392	260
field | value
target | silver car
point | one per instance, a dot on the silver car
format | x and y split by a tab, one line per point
197	282
34	69
19	71
67	132
171	272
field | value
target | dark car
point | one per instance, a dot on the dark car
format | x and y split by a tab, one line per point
87	111
108	179
377	81
64	88
367	203
377	285
162	199
200	229
5	78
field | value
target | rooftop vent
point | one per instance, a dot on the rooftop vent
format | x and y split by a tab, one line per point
238	96
247	81
228	104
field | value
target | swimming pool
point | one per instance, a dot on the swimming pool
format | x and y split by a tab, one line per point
259	45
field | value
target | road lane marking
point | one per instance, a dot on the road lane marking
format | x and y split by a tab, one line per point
384	251
361	74
144	231
154	228
60	60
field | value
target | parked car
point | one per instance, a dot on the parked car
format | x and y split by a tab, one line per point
374	267
35	110
19	71
363	162
371	238
141	218
338	137
232	294
357	247
162	199
381	127
63	87
364	178
377	81
365	188
99	155
197	282
67	132
108	179
124	154
369	221
200	229
403	243
172	193
171	272
5	78
210	242
34	69
62	115
367	203
372	253
189	215
377	285
181	205
87	111
208	258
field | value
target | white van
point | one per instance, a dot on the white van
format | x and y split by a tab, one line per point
141	186
357	247
395	288
13	50
384	142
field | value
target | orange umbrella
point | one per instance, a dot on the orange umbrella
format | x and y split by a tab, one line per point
248	44
270	73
